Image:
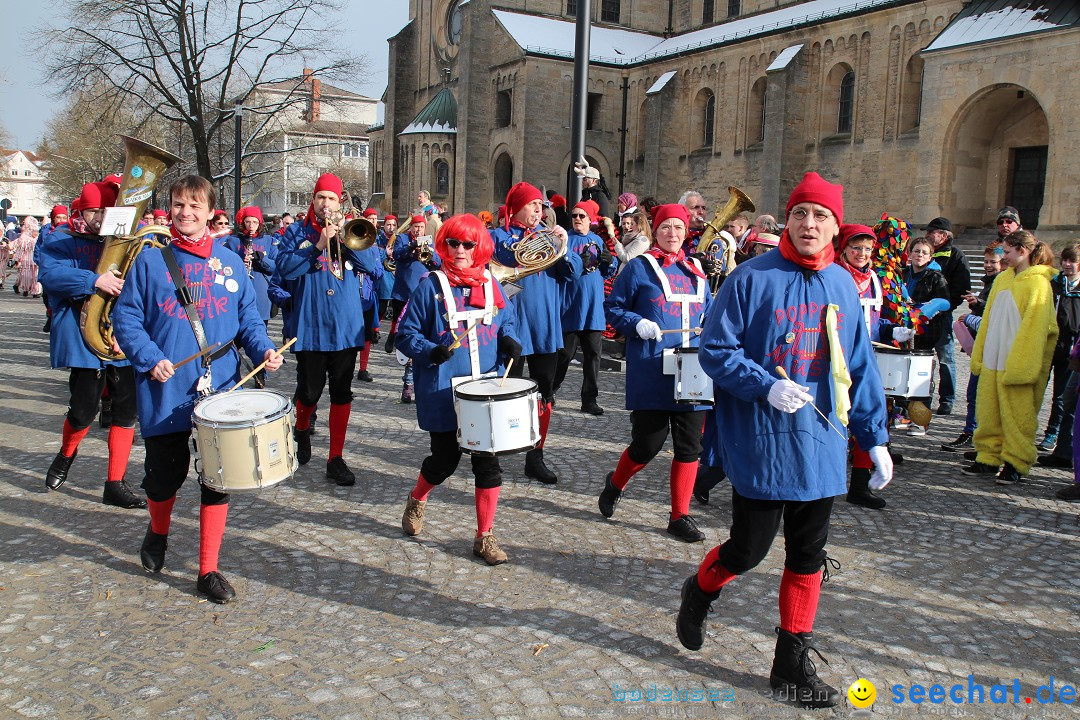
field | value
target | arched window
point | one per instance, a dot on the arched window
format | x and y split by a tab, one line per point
704	118
755	112
707	12
504	178
911	95
442	177
846	105
503	108
710	120
642	125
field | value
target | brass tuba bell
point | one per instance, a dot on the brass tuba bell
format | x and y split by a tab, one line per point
357	235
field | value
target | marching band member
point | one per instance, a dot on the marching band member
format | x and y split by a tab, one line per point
413	260
257	248
386	282
68	272
539	325
696	207
463	291
326	318
660	290
153	327
583	304
58	217
370	282
790	309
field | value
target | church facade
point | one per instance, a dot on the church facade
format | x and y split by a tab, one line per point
920	108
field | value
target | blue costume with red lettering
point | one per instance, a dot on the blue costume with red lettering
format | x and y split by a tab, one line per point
262	265
583	295
386	282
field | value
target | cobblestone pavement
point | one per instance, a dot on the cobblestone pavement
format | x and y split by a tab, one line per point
341	616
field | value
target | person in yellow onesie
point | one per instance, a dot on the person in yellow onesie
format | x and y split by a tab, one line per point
1012	357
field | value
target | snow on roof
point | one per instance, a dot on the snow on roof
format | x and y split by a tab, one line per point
784	58
998	19
614	46
660	82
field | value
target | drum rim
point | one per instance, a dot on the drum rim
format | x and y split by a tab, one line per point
514	395
901	351
252	422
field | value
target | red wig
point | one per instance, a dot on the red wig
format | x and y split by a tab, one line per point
468	228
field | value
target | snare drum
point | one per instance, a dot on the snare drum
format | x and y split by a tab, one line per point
907	373
497	417
244	440
692	385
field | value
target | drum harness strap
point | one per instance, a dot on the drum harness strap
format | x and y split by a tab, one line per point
205	385
683	300
871	305
453	316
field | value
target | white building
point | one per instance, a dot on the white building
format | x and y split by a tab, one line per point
23	182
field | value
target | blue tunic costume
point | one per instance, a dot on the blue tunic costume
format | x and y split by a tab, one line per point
409	269
262	266
583	296
386	282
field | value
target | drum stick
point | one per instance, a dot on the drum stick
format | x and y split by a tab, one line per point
507	373
883	346
696	331
199	354
459	338
783	374
277	353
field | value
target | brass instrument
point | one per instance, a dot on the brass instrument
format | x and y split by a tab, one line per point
737	202
357	234
144	164
424	251
535	252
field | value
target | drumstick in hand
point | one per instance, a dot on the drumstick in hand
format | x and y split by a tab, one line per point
507	373
277	353
783	374
696	331
459	338
205	351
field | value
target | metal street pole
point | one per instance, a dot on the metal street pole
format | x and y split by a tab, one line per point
237	174
581	95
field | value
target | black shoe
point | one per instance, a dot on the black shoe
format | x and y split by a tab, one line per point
105	415
960	444
1008	475
339	472
971	455
980	469
592	408
48	324
152	552
364	376
609	497
389	346
685	529
859	492
58	471
702	496
215	587
897	458
944	408
1053	461
794	674
118	494
536	469
693	614
303	445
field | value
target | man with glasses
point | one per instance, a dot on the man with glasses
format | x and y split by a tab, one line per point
1008	221
695	205
957	272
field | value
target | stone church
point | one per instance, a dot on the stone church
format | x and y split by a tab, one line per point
921	108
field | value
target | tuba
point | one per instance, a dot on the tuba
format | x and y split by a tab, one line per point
535	252
356	234
709	245
144	164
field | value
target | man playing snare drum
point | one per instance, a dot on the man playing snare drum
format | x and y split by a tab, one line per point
153	330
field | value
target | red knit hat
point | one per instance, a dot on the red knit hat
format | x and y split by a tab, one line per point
815	189
850	231
417	219
160	214
249	211
371	212
660	213
519	196
390	217
97	195
331	182
591	209
58	210
113	180
558	200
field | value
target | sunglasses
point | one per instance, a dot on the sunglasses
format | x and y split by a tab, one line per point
455	244
1002	221
579	216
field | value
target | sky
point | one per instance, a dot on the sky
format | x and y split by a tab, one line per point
26	104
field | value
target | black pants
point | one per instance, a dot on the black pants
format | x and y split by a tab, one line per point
396	306
445	456
86	385
649	431
541	371
590	366
754	524
167	461
384	309
314	368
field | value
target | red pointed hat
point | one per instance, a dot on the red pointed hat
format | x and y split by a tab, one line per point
815	189
58	210
519	196
660	213
97	195
591	209
331	182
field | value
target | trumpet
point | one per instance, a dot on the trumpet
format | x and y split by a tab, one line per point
356	234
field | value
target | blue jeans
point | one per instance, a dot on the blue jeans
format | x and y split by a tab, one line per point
972	389
947	368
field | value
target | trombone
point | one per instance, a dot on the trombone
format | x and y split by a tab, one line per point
356	234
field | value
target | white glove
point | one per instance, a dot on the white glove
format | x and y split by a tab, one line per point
879	455
902	334
788	397
648	330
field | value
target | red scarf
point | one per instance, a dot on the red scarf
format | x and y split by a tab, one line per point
78	224
472	277
820	261
676	258
200	247
862	277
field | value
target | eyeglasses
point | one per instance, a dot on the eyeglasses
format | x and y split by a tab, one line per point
223	223
1002	221
455	244
799	214
856	249
579	216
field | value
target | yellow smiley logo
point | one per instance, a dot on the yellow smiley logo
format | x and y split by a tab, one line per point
862	693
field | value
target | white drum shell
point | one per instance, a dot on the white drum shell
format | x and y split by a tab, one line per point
692	385
244	453
907	375
497	420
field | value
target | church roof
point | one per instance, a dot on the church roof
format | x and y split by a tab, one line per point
986	20
438	116
615	46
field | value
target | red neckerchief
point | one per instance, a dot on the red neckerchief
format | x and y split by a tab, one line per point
253	233
676	258
472	277
820	261
200	247
78	224
862	277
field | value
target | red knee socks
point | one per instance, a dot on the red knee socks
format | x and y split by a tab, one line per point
625	470
160	514
303	415
683	475
486	500
339	424
211	530
422	489
362	358
711	575
119	450
71	439
799	600
545	422
860	458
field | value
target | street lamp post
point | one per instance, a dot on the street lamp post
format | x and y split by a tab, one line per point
237	174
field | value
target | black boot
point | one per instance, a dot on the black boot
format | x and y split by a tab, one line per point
794	675
693	612
105	416
609	497
152	552
58	471
536	469
303	445
389	347
118	494
859	490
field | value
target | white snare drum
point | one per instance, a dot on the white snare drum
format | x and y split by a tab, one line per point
692	385
244	440
907	373
496	418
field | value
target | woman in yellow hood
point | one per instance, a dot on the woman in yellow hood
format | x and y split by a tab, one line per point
1012	357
